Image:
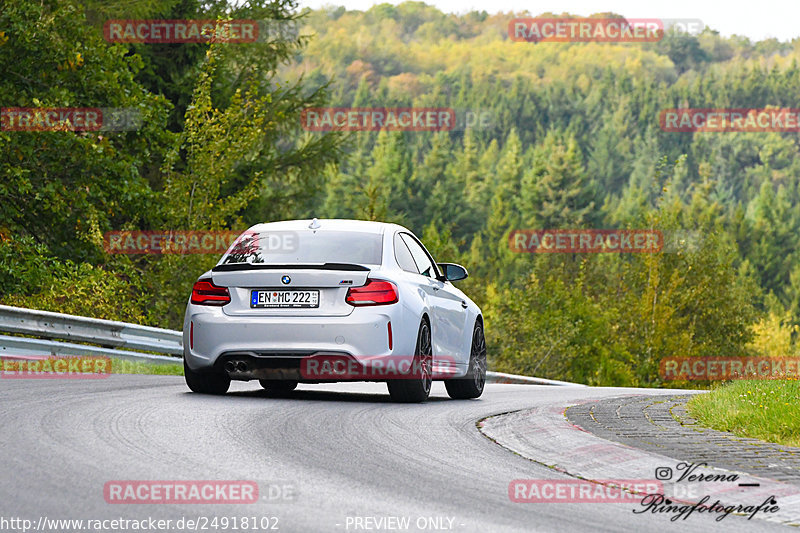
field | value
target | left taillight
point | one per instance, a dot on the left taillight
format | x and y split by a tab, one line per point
205	292
375	292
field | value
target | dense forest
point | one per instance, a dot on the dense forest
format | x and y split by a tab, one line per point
573	140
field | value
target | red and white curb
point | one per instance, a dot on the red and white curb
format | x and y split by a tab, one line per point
544	435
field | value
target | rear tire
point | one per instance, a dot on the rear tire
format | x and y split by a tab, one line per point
471	385
416	389
278	386
206	382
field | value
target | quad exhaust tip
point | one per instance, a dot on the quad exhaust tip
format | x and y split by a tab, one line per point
235	366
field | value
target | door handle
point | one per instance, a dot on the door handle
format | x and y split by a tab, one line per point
463	304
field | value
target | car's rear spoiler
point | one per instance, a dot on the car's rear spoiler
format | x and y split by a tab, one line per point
233	267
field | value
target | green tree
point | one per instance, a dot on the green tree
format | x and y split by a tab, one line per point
555	190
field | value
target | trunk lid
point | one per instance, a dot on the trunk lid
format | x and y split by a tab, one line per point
331	280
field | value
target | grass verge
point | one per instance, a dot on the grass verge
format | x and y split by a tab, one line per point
120	366
761	409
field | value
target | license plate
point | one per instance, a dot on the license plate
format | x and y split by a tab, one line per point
286	299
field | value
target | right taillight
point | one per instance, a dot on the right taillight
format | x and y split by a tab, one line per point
205	292
375	292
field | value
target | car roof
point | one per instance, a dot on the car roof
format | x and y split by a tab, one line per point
333	224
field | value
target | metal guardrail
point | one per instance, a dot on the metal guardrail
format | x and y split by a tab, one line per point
500	377
47	331
113	339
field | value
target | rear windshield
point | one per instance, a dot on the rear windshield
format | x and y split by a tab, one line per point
305	247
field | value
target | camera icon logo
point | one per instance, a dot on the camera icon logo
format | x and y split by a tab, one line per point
663	473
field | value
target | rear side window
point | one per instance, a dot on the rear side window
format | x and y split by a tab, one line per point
424	264
403	256
306	247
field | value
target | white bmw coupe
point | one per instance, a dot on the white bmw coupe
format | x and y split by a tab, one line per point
318	301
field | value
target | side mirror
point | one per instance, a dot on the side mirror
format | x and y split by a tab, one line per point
452	271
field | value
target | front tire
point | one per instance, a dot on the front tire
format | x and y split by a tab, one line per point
471	385
206	382
416	389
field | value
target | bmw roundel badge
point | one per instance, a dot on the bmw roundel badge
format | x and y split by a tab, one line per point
286	280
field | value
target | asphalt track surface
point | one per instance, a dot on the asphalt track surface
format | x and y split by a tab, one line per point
345	449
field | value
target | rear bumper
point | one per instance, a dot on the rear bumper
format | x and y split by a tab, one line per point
210	334
321	367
